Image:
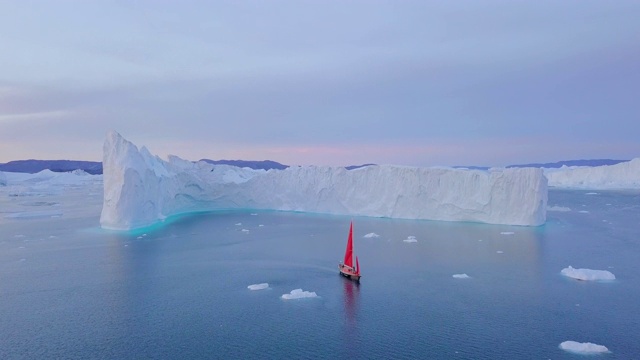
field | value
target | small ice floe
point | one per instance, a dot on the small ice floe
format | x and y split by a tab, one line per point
507	233
260	225
52	237
18	236
245	230
238	224
143	235
299	294
608	204
371	235
253	214
261	286
558	208
139	237
479	239
592	193
499	252
583	348
410	239
587	274
584	211
461	276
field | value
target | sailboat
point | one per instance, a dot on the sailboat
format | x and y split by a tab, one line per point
346	267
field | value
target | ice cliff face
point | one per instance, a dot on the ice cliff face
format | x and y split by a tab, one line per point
140	189
624	175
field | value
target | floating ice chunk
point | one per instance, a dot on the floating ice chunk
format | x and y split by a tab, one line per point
507	233
371	235
253	214
260	225
261	286
583	348
499	252
410	239
245	230
587	274
238	224
299	294
592	193
584	211
461	276
558	208
19	236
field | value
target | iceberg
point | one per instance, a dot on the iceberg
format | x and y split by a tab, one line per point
461	276
625	175
141	189
583	348
587	274
299	294
260	286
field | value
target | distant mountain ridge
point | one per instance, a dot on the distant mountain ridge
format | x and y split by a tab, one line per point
95	167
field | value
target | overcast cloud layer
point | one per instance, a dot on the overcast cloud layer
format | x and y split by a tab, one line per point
323	82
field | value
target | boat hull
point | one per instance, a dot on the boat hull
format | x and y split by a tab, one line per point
349	275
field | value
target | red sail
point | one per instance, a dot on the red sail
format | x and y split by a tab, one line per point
357	266
348	255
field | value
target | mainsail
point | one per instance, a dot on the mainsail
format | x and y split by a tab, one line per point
348	255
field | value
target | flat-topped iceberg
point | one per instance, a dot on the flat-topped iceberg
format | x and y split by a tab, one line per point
583	348
299	294
260	286
587	274
625	175
140	189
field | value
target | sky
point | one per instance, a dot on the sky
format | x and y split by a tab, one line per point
418	83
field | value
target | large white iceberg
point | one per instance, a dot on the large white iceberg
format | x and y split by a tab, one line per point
625	175
140	189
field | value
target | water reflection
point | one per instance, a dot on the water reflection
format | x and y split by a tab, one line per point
351	293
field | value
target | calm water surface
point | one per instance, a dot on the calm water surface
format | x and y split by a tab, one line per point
71	290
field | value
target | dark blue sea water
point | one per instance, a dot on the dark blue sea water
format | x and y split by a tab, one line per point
69	290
